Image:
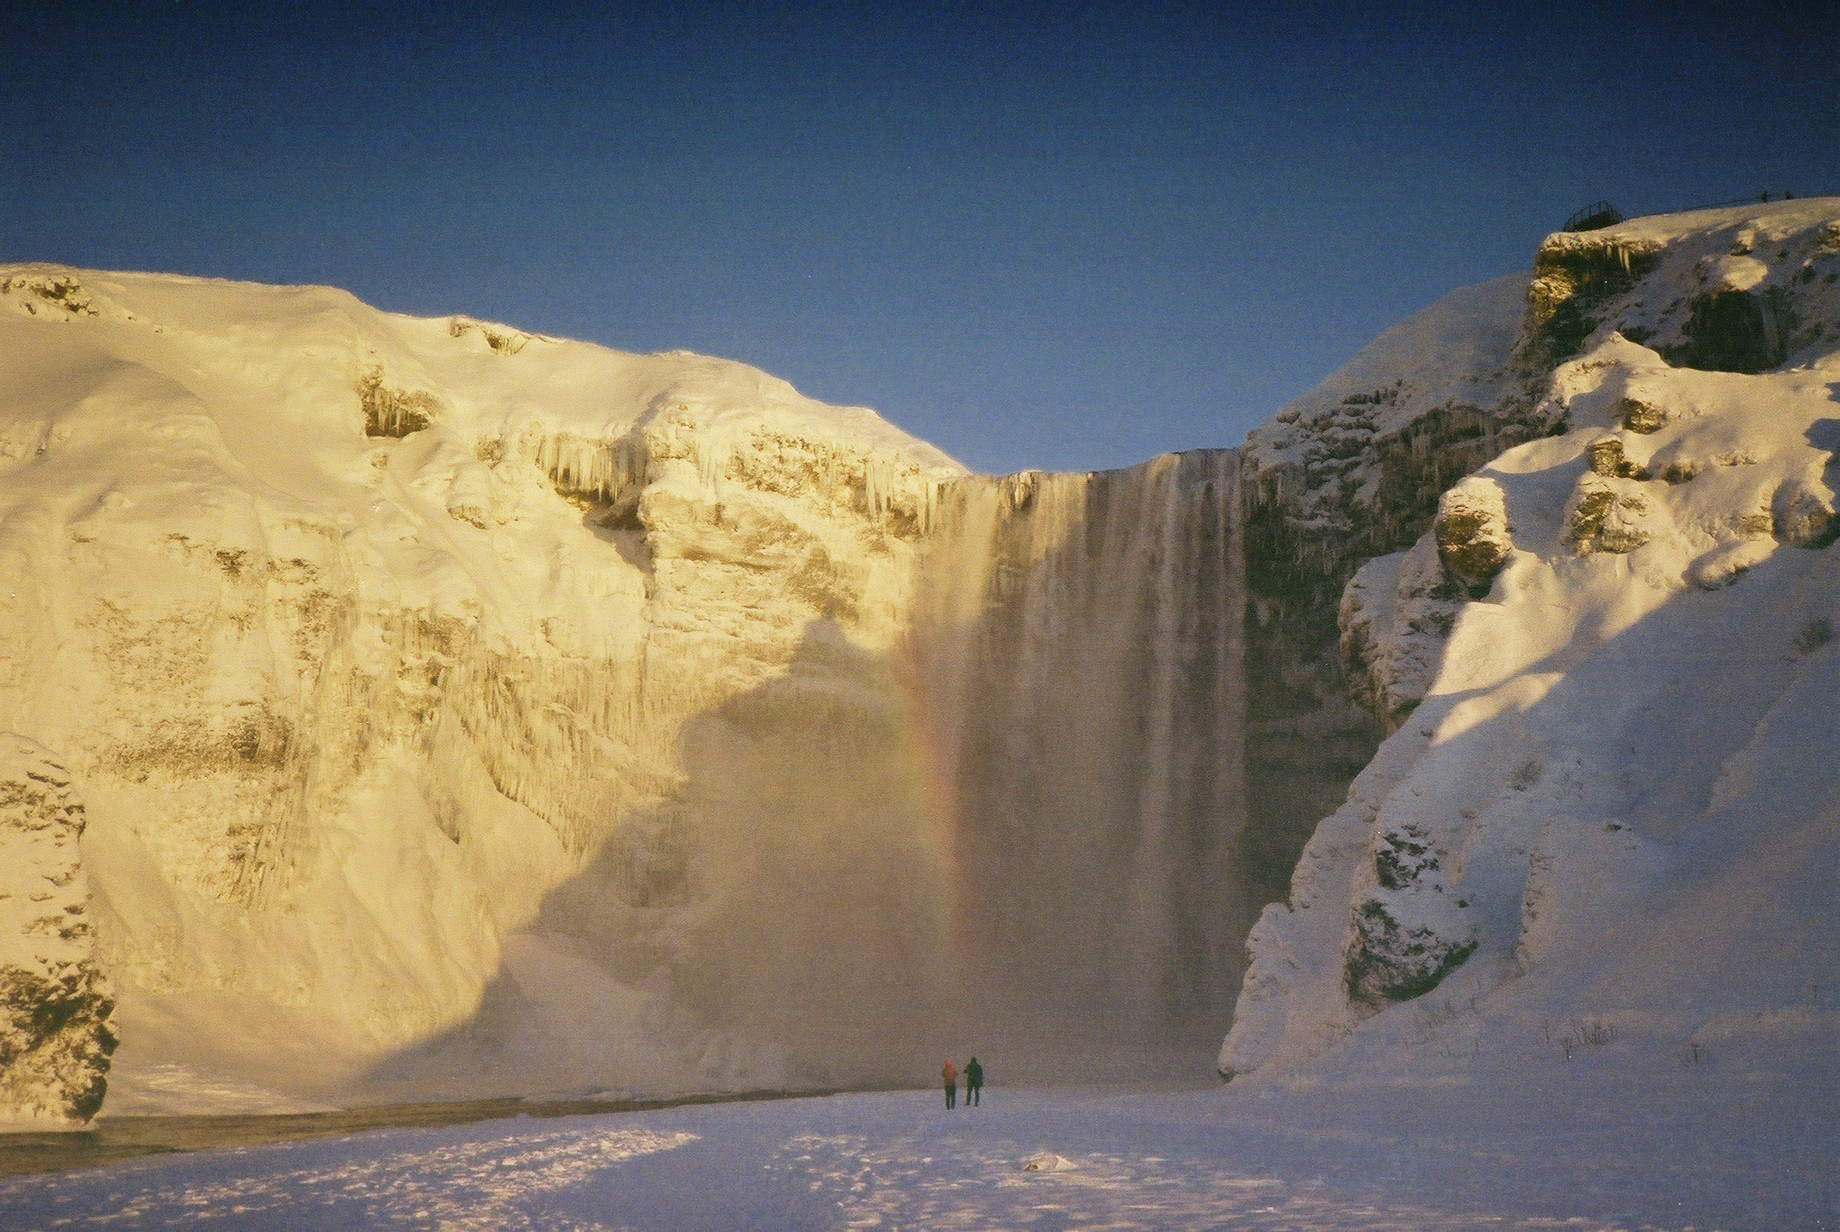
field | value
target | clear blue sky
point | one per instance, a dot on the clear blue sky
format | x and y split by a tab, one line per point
1062	235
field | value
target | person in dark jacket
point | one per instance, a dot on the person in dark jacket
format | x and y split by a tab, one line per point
974	1082
950	1074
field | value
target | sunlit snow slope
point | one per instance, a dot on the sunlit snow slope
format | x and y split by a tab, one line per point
359	634
1610	806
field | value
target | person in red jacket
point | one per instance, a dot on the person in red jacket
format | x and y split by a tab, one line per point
950	1074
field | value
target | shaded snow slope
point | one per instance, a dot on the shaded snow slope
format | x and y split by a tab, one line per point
1607	817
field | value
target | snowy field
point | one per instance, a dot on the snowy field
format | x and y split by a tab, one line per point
1603	1141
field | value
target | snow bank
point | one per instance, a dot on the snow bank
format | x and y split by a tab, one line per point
1598	1142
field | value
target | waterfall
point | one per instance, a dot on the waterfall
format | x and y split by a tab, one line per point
1078	652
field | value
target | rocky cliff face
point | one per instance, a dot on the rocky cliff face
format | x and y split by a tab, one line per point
55	1003
1546	649
1347	474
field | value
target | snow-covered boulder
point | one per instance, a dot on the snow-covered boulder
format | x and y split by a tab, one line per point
1471	529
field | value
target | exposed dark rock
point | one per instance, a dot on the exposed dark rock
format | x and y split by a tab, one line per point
55	289
1607	458
1471	529
1643	417
56	1041
1735	331
1402	856
501	339
1575	276
1391	961
55	1003
1606	518
393	412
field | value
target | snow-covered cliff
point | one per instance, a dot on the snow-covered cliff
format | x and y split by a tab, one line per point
1607	806
371	645
1352	471
451	710
460	711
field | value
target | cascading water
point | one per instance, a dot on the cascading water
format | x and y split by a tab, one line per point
1077	648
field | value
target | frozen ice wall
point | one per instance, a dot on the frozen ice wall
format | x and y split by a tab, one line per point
1078	643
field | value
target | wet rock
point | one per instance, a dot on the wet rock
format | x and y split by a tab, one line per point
1642	416
1607	458
1392	960
1575	276
1734	331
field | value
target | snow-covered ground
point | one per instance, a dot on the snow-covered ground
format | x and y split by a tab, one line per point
1616	1137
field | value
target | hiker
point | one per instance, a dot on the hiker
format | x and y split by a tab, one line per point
950	1074
974	1082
